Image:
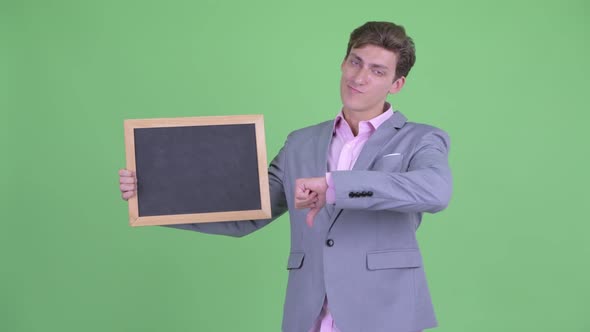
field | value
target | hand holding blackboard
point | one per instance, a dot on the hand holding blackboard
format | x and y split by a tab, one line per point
199	169
127	183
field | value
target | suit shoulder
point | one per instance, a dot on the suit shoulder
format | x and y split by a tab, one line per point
421	135
310	132
422	129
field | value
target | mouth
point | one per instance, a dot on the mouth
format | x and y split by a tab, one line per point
353	89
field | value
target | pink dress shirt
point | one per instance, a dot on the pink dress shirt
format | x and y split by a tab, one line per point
344	151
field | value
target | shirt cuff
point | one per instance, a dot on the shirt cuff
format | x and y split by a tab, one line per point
330	192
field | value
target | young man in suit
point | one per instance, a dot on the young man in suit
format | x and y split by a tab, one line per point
355	188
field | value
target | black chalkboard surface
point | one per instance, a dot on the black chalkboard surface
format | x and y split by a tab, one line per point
199	169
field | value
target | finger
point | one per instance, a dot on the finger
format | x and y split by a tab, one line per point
300	195
300	204
310	194
126	172
301	191
311	216
321	201
301	184
306	203
127	187
126	179
308	198
127	194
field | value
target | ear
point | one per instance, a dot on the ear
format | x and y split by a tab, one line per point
397	85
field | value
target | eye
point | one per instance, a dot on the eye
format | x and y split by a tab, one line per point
378	72
354	62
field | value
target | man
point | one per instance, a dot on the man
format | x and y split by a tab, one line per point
355	188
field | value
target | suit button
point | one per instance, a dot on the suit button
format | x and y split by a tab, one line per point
370	193
364	193
351	194
330	243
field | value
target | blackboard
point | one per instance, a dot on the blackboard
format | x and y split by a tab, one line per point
198	169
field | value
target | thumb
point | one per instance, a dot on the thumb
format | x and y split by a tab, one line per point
311	216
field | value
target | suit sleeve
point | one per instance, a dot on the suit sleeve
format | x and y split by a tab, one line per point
425	187
278	204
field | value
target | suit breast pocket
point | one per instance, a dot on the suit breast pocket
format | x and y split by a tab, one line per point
389	163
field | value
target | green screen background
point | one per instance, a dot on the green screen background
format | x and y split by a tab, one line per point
508	80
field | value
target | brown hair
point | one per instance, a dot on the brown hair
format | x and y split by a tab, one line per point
391	37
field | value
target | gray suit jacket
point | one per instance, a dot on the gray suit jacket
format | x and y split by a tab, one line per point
362	251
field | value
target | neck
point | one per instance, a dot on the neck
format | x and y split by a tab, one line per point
354	117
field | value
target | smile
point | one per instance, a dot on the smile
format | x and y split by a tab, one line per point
353	89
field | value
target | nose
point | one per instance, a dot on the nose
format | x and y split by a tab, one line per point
361	76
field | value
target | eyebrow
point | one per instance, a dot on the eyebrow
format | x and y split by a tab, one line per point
372	65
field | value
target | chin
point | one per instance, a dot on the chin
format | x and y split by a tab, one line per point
352	106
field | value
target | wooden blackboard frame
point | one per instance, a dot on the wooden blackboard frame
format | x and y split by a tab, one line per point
257	120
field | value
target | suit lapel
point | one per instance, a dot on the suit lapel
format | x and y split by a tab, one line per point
378	140
321	157
322	151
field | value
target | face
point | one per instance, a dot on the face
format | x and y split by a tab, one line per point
367	79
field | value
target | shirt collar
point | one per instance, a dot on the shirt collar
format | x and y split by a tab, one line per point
369	125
